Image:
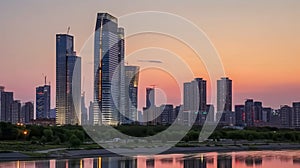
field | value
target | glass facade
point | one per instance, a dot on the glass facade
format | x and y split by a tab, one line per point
43	102
108	62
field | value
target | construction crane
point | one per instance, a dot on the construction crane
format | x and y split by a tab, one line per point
68	31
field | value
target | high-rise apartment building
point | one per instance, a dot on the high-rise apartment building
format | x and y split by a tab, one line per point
224	95
194	99
296	114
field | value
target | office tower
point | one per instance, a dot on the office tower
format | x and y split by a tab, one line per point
73	114
195	99
5	105
257	111
131	93
43	101
150	97
84	115
108	63
224	95
296	114
240	115
91	113
28	110
66	83
210	110
286	113
123	117
15	111
249	112
150	111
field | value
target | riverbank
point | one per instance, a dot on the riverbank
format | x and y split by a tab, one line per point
63	153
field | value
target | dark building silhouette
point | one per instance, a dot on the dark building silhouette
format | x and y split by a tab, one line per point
6	101
249	112
27	110
15	111
296	114
257	108
240	115
286	119
43	101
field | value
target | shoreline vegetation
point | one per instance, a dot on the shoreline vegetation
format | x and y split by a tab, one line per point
20	142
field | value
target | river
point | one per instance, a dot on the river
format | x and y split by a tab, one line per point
245	159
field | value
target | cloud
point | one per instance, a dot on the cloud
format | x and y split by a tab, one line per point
151	61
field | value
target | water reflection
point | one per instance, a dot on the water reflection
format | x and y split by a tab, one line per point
262	159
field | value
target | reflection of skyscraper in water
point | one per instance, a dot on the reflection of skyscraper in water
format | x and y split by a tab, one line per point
150	163
42	164
224	161
195	162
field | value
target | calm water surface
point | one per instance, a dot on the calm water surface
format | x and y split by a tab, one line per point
253	159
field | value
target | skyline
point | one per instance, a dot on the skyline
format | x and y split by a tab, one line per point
252	75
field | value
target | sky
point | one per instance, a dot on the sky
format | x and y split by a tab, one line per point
257	41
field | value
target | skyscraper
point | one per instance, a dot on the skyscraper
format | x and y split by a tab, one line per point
249	112
150	97
286	116
240	115
224	95
296	114
5	105
43	101
15	111
257	111
73	114
27	111
84	115
108	69
131	93
66	83
194	99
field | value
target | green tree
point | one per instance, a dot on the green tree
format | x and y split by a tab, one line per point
74	141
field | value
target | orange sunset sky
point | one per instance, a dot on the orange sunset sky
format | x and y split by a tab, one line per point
257	41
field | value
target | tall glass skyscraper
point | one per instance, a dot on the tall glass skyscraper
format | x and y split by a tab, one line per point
66	101
131	93
108	70
43	101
